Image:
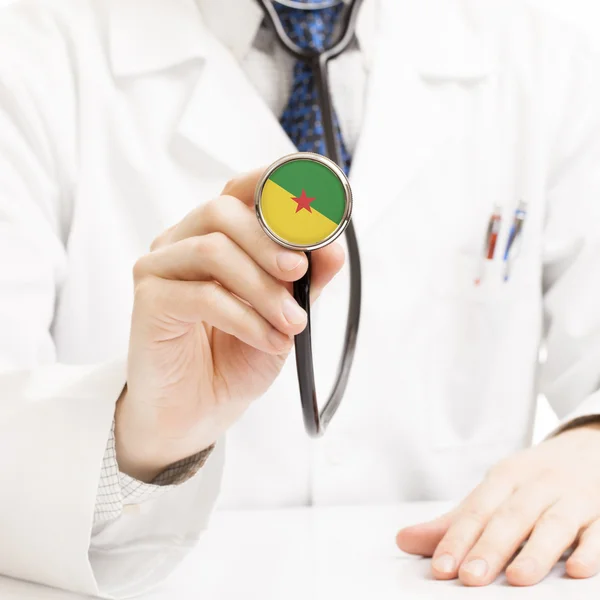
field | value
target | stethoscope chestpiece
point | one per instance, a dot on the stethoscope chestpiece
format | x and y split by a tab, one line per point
303	201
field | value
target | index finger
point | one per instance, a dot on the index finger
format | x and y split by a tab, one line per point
229	216
243	186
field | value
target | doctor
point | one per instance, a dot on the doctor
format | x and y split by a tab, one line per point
124	127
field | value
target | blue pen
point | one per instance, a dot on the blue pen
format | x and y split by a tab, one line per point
514	238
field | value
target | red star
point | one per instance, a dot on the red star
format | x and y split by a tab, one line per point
303	202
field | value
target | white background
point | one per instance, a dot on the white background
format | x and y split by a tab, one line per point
584	14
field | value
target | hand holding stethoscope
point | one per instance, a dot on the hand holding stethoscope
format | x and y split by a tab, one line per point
212	316
315	168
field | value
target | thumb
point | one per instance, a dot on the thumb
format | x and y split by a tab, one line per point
423	538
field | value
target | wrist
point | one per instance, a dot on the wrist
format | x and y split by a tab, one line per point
133	456
142	450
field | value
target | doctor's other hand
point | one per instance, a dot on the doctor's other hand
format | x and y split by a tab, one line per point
547	497
213	322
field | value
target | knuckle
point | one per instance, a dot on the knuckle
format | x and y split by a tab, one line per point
559	520
147	291
550	477
549	486
210	213
231	185
141	268
227	202
501	470
474	515
452	541
207	246
215	243
196	245
510	512
247	315
162	239
217	213
211	294
157	242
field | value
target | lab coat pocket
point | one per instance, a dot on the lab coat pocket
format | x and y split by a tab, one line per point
471	329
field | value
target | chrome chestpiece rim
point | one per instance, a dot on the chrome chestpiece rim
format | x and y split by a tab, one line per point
285	212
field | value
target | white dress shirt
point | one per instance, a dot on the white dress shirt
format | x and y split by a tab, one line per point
237	24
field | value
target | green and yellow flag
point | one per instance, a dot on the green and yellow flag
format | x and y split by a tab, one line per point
304	202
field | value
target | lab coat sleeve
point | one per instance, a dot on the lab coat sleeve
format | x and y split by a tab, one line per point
55	419
570	377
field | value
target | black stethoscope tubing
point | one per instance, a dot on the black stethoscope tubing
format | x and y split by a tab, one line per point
315	420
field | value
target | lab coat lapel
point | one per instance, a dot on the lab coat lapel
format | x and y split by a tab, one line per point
410	117
226	119
422	49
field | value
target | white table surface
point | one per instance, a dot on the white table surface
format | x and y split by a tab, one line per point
318	554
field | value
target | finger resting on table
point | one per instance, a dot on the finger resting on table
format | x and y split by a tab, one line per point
554	532
504	533
585	560
423	538
471	519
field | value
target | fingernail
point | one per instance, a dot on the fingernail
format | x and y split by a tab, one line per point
581	566
477	568
278	340
524	565
288	261
583	561
293	312
444	564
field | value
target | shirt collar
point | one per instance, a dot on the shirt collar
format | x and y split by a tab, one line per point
236	23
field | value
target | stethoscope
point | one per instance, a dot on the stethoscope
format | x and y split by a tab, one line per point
316	420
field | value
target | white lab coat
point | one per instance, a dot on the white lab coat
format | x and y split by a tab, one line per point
116	119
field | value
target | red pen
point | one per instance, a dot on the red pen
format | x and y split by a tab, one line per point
491	239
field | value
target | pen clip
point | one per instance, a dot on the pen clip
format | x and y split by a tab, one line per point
513	244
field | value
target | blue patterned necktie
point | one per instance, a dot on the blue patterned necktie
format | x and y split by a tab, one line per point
301	119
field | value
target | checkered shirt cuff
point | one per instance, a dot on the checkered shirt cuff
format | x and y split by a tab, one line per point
116	489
